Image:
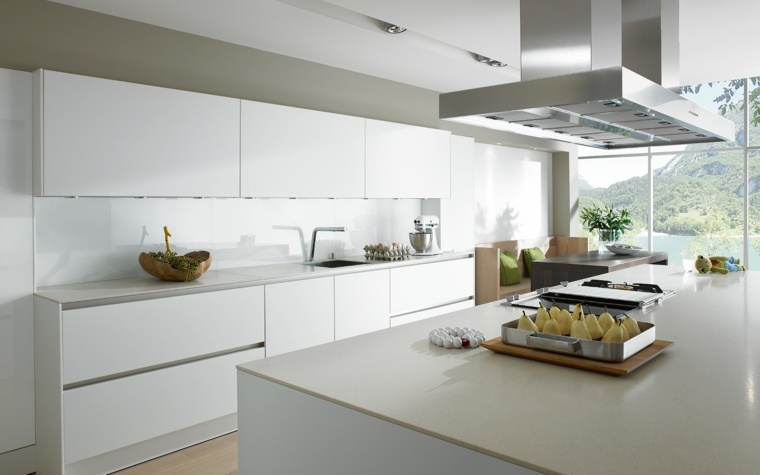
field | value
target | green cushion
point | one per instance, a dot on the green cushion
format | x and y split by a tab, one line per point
532	254
510	272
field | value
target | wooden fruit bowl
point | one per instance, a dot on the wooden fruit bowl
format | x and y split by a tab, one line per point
164	271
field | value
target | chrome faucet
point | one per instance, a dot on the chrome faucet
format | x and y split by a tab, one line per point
314	237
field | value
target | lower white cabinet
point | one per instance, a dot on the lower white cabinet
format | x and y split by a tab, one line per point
299	314
421	287
121	383
111	415
362	303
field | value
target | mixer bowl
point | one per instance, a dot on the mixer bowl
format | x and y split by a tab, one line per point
420	241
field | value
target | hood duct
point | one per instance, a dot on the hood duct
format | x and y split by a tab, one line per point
576	86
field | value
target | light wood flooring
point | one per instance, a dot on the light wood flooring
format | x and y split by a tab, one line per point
214	457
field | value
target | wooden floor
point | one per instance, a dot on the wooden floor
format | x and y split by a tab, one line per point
215	457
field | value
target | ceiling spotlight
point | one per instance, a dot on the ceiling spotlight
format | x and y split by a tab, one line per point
394	29
491	62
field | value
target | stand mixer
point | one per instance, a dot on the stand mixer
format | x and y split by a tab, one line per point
423	240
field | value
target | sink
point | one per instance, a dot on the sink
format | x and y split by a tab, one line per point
335	263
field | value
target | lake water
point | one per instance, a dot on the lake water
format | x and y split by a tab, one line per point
677	248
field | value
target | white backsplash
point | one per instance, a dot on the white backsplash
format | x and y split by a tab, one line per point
93	239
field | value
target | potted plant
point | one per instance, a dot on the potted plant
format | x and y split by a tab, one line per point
609	222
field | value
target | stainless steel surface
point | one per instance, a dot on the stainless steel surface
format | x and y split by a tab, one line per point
589	349
335	263
314	237
569	93
420	240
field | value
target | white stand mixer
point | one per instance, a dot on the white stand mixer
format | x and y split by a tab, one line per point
423	241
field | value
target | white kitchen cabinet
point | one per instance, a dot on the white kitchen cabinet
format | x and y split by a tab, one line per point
108	416
362	303
422	287
405	161
17	433
299	314
287	152
99	137
122	382
100	341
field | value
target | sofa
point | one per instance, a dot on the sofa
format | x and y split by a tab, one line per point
487	262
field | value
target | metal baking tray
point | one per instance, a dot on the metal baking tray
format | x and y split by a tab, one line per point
589	349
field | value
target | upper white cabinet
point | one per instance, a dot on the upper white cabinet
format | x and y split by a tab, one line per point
98	137
405	161
288	152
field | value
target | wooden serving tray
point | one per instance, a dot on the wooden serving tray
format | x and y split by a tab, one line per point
614	369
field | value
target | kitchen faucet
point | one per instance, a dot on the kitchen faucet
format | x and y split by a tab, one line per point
314	237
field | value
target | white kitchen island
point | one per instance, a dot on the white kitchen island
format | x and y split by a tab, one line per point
391	402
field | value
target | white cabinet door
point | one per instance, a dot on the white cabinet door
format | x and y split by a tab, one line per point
102	341
405	161
299	314
114	414
288	152
425	286
98	137
362	303
16	272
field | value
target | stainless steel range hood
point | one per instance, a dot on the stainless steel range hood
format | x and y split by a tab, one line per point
604	107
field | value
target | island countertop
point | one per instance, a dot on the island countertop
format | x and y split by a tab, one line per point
695	408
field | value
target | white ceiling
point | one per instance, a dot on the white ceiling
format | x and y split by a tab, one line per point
437	50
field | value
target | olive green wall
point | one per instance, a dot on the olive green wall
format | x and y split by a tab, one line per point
40	34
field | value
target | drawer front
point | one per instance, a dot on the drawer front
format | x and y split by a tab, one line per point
425	286
430	313
112	339
114	414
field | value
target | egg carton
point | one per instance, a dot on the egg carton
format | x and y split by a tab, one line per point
385	252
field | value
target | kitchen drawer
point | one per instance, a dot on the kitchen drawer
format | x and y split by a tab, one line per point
114	414
419	287
113	339
431	312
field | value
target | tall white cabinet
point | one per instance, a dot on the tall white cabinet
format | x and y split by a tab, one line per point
98	137
16	277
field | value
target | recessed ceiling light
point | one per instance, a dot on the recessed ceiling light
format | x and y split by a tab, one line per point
491	62
393	29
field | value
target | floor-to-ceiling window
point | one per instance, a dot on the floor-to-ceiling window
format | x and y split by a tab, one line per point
694	199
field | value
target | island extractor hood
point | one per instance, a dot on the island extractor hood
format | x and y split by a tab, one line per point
576	87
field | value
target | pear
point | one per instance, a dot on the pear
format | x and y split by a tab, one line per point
554	311
605	320
626	335
577	311
565	321
579	329
594	329
614	334
551	327
542	315
632	326
525	323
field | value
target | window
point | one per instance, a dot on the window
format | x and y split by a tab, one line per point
697	201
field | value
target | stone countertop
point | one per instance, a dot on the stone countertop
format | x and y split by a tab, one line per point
144	287
695	408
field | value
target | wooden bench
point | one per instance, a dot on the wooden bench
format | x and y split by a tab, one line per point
487	263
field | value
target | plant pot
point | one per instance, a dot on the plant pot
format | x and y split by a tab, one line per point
607	236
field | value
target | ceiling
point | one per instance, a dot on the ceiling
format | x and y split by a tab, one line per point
438	50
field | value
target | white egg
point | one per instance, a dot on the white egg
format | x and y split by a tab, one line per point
457	342
439	341
448	343
474	343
